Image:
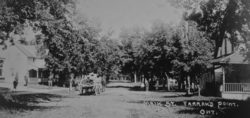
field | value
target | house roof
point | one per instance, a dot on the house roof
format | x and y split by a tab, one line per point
29	51
37	65
235	58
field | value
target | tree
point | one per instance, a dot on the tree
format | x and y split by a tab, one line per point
192	55
131	47
15	14
66	36
223	19
72	46
159	41
108	57
42	16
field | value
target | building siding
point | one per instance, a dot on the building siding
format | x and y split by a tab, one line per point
15	60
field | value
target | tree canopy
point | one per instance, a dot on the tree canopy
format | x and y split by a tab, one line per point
221	19
69	42
164	51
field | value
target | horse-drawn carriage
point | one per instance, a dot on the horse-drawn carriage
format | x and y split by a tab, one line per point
92	83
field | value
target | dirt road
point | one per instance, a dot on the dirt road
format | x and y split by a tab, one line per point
120	100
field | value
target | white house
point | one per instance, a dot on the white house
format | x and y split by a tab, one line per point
230	75
211	81
22	59
235	84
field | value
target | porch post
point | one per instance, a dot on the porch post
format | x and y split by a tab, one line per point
223	79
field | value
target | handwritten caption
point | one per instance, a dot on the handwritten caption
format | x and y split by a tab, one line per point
206	107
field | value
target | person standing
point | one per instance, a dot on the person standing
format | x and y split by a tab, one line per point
97	84
147	85
157	85
50	82
26	79
103	83
15	83
142	86
71	81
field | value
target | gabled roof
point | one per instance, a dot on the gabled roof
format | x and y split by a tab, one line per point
37	65
29	51
235	58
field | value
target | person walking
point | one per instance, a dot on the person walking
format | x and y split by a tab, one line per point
15	83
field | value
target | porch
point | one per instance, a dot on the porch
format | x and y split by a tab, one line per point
235	70
236	86
239	91
37	74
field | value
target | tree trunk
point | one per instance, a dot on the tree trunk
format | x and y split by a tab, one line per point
168	83
71	82
199	90
188	85
164	82
181	83
131	77
135	78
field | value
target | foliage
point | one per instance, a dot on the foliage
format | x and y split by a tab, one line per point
70	43
193	53
131	46
223	19
16	14
67	40
165	51
108	57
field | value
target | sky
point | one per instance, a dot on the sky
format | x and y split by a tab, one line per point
117	14
113	15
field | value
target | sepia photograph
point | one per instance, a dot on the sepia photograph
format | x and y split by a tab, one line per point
124	58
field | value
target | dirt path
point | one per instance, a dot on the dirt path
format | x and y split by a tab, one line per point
119	100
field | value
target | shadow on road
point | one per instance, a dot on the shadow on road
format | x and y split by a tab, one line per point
127	87
130	88
180	95
21	102
119	81
87	94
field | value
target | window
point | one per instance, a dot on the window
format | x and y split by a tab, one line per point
32	73
1	68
